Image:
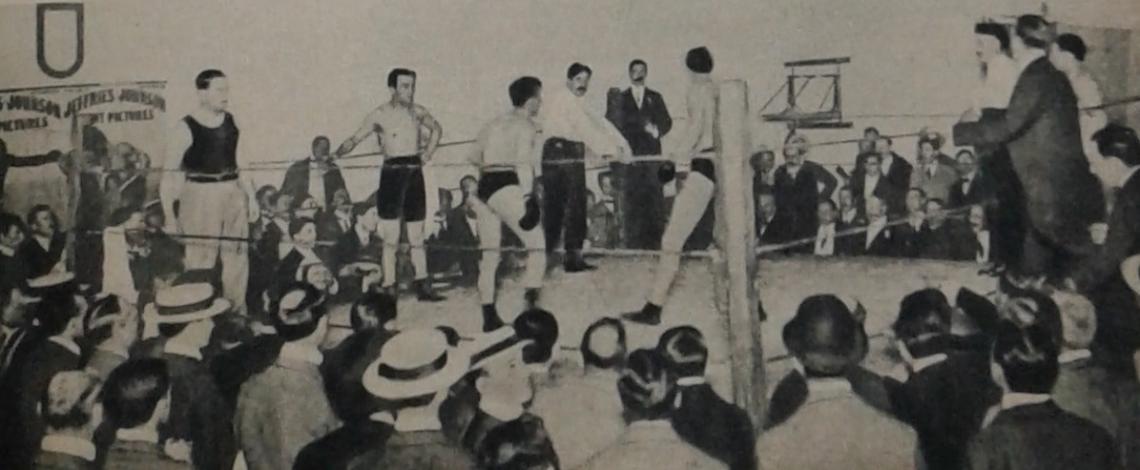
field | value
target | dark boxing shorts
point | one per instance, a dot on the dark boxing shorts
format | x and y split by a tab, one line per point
402	192
492	181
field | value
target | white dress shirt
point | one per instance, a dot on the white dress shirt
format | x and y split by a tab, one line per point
317	182
997	86
638	92
565	116
869	185
874	228
825	240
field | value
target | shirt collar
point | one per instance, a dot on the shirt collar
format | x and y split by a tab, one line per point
968	177
1073	356
7	251
1015	399
179	349
44	242
301	353
417	421
921	363
69	445
138	435
822	389
690	381
66	342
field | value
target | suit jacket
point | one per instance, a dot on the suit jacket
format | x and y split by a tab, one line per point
798	197
946	403
981	190
911	243
35	260
340	449
296	181
884	244
898	174
715	426
951	241
630	120
937	186
1085	389
1041	129
44	360
141	455
1042	437
847	245
652	444
328	226
1103	268
894	196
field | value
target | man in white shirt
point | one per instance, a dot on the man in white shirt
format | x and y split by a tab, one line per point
825	234
569	129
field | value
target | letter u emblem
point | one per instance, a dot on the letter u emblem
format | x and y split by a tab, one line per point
58	24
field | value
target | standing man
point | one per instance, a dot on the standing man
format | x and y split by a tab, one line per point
699	187
316	176
1042	131
570	128
399	125
643	119
212	199
1068	55
507	153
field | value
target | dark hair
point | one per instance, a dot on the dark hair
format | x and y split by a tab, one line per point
7	221
540	326
320	138
372	306
966	152
202	81
266	189
301	321
645	365
133	391
54	312
577	68
299	223
75	417
396	73
872	129
36	210
699	60
640	62
830	203
1119	141
865	155
922	314
517	444
684	351
523	89
1072	44
170	330
96	328
593	359
1033	31
1027	357
999	31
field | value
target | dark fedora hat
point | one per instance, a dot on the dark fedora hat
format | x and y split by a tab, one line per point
825	336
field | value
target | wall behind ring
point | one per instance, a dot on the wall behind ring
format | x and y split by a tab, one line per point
300	68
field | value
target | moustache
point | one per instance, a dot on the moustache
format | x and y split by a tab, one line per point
582	89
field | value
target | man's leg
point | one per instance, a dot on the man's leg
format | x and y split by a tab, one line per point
575	214
490	239
509	204
235	254
688	208
390	235
553	198
415	212
198	207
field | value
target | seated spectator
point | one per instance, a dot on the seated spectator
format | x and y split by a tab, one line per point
931	174
337	220
914	234
373	318
518	444
981	233
285	407
848	212
947	238
462	231
1084	387
596	407
265	195
276	230
800	185
827	242
879	240
136	399
770	229
701	417
1029	430
946	391
71	413
317	175
300	251
648	391
605	229
42	252
840	429
11	236
763	164
872	183
356	256
973	186
896	169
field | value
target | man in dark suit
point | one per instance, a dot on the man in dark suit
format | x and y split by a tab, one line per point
1099	276
641	116
947	392
973	186
800	185
1029	430
914	234
337	220
894	167
356	254
317	175
879	240
42	252
1042	131
872	182
763	164
11	236
72	412
703	418
948	239
770	228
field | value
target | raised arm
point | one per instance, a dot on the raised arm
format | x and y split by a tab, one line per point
427	120
173	178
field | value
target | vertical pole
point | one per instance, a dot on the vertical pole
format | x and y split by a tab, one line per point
76	160
736	266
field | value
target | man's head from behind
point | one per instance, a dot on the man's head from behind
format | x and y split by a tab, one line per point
1120	142
991	39
1024	358
604	344
526	94
70	404
137	392
924	317
1032	32
1068	53
684	351
647	388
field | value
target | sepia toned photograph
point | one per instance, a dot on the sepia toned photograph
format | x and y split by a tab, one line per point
569	234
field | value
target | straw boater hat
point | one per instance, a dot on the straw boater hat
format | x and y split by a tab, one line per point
1130	269
415	363
187	303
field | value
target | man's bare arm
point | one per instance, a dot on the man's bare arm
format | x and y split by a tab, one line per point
475	156
173	178
366	128
434	127
527	158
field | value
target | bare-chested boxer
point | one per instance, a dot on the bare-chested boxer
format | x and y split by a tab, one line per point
509	154
691	203
398	125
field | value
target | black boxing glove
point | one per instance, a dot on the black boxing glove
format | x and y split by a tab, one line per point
667	173
532	215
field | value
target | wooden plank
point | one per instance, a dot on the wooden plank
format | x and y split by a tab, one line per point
736	266
813	62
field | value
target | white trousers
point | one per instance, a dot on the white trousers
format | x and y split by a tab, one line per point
507	206
688	207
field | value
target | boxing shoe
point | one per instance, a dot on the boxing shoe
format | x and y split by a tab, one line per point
425	293
649	315
532	215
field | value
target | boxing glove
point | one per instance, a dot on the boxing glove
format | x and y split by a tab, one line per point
667	172
532	215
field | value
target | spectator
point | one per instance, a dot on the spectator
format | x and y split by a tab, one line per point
42	252
763	164
72	413
770	229
800	185
373	318
848	210
356	256
284	407
265	196
896	169
981	233
933	175
136	399
701	417
872	183
518	444
1084	387
648	391
307	207
879	240
947	238
317	175
973	186
823	338
946	391
299	253
338	219
462	231
605	228
914	234
1029	430
11	236
827	242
